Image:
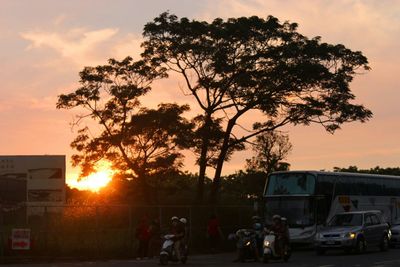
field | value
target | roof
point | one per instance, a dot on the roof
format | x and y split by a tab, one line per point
354	174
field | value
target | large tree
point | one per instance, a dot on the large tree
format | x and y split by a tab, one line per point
237	65
141	143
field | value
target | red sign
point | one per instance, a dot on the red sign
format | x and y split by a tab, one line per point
21	239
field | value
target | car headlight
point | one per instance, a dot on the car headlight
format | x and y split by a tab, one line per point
350	235
266	243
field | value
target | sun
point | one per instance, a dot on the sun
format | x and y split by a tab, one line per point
95	181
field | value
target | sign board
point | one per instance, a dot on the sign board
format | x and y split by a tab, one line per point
21	239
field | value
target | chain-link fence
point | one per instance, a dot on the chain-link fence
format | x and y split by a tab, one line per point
108	231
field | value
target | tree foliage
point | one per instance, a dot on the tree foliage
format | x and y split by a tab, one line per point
142	144
377	170
271	149
234	66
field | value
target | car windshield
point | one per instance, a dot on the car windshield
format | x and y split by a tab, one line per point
346	220
290	184
396	222
297	210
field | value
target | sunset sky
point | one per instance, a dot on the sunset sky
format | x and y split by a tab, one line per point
44	44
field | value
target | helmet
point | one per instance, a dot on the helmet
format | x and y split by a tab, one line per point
256	218
257	226
183	220
174	218
276	217
283	219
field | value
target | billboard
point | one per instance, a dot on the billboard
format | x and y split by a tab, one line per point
32	180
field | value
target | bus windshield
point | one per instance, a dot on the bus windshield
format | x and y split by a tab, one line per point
346	220
290	184
298	210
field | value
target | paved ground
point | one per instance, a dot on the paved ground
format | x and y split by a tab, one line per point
300	258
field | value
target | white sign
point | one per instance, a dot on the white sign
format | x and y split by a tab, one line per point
21	239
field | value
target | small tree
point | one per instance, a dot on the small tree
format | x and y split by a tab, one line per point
141	143
271	148
234	66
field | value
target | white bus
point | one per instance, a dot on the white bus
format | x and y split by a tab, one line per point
310	198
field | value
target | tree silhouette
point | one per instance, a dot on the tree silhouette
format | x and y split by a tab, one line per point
376	170
238	65
270	148
141	143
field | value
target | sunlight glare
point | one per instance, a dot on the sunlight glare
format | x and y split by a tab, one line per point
95	181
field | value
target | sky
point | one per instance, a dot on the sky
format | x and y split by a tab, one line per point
44	44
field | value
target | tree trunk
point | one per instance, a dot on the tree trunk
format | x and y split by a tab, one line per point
144	187
214	197
203	160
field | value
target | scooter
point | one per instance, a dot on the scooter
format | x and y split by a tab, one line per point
270	252
168	252
246	244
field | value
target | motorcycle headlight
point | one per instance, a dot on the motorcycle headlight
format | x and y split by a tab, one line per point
266	243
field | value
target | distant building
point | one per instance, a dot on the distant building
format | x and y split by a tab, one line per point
32	181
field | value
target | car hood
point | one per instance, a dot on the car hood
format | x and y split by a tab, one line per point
395	227
339	229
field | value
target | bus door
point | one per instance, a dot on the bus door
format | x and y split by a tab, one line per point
321	209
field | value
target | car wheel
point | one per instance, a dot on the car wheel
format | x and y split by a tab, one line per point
320	251
385	243
360	246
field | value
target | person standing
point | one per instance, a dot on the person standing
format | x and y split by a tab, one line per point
214	233
143	236
155	241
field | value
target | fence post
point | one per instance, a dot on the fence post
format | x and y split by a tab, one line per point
190	226
130	239
160	215
97	231
46	225
1	234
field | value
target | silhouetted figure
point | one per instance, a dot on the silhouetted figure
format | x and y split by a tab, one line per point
155	240
143	235
214	233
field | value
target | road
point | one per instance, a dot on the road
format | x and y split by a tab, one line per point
299	258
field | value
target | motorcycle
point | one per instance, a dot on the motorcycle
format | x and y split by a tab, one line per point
270	252
247	244
168	251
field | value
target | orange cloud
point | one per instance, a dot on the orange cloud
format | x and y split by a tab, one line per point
77	45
